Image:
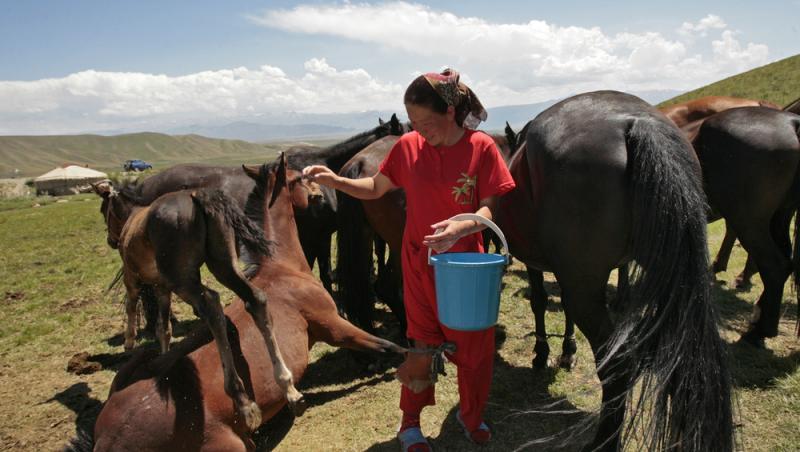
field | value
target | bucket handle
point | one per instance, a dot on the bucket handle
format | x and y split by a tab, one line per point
480	219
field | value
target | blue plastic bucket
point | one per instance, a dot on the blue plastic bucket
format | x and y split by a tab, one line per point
468	284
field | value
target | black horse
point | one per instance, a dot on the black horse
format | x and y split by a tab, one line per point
605	180
750	159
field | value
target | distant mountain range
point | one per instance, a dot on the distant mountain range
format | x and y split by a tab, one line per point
294	126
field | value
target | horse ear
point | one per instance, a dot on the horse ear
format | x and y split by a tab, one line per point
381	122
397	129
253	171
280	178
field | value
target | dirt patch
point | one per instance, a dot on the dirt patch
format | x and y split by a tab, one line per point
73	303
12	296
80	364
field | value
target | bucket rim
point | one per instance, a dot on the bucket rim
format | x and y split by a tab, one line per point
444	260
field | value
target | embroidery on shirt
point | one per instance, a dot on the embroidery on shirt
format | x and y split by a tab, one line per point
463	194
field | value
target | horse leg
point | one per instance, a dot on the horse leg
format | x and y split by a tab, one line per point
208	305
569	347
256	304
324	262
584	299
724	254
163	323
744	280
538	301
766	245
132	292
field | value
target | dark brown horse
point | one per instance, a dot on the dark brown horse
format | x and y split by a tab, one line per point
750	159
175	402
362	221
604	179
689	116
164	244
315	224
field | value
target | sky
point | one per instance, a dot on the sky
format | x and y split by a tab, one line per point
78	66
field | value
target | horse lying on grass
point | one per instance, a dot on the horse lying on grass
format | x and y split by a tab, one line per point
164	244
175	402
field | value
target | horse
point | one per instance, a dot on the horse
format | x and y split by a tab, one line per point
605	180
686	112
689	116
174	402
361	222
164	244
750	159
316	224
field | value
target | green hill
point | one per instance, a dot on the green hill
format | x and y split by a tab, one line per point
777	82
33	155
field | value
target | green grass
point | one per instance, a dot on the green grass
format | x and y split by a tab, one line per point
55	267
778	82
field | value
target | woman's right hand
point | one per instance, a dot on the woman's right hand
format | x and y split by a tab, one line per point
321	175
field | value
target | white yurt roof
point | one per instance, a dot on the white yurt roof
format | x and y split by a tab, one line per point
71	172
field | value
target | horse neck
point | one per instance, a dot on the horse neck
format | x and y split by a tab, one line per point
337	155
280	227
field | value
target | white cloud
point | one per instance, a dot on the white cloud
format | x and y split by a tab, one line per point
536	59
506	63
112	99
702	27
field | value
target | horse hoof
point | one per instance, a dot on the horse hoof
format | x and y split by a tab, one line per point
567	362
298	406
740	284
752	339
539	362
251	414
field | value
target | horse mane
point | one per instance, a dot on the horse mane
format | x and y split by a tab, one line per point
336	155
131	192
793	107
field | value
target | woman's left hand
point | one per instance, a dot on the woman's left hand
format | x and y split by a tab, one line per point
451	232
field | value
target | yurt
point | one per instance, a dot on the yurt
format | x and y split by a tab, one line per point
67	180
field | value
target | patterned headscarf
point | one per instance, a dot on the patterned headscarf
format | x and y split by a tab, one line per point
454	93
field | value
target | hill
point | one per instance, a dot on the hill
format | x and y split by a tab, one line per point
777	82
33	155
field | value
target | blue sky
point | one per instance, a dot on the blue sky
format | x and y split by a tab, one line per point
74	66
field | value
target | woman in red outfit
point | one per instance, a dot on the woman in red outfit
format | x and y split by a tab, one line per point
446	168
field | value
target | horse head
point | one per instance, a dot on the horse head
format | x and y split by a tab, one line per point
272	177
114	208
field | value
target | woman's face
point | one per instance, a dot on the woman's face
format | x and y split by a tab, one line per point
434	127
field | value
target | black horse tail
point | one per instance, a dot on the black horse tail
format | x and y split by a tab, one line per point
221	206
796	248
82	442
667	331
354	257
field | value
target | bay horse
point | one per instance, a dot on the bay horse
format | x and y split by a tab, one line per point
174	401
164	244
605	180
361	222
750	159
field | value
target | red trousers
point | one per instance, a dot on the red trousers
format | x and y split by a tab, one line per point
474	356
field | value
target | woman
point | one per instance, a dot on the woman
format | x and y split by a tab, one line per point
445	168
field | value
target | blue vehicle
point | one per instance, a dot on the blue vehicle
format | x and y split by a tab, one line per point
136	165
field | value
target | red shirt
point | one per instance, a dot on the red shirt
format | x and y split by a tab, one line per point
444	181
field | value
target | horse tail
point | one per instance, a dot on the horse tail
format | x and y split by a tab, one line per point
667	331
82	442
217	204
796	246
354	256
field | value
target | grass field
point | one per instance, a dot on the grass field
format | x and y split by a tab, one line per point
55	267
